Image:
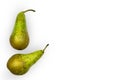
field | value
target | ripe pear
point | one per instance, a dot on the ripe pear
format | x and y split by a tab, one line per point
19	38
19	64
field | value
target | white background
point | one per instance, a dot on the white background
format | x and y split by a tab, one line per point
84	38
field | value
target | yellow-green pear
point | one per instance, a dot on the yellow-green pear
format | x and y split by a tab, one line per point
19	38
19	64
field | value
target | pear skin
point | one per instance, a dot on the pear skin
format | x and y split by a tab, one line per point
19	64
19	38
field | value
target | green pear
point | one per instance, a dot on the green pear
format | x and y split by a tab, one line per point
19	64
19	38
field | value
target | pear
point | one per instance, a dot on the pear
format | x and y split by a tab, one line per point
19	38
19	64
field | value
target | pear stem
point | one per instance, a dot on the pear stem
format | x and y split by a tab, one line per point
45	47
28	10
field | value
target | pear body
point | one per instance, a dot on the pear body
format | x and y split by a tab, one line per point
19	38
19	64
